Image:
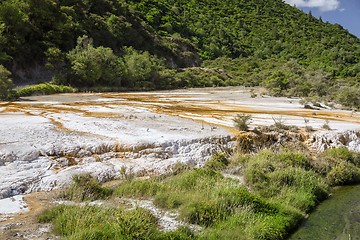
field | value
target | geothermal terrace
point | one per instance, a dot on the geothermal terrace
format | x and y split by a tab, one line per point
45	140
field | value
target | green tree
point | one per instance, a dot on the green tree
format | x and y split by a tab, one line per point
242	122
3	55
90	66
142	69
5	83
349	96
277	83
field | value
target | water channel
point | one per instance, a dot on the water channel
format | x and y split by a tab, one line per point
336	218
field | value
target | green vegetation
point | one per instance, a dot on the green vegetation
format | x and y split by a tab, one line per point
326	125
5	83
85	188
289	78
43	89
217	162
280	187
111	45
206	198
262	29
242	122
96	68
7	93
96	223
285	178
266	29
339	166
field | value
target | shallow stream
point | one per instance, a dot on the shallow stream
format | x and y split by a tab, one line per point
336	218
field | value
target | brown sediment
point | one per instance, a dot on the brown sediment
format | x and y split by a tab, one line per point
102	115
169	105
26	222
212	107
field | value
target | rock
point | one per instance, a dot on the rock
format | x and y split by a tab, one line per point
324	140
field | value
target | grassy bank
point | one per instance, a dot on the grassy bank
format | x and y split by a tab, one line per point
35	90
280	187
43	89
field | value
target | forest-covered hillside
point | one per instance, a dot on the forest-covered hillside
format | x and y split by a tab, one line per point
133	44
260	28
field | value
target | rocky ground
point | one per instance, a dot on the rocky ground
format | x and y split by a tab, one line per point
45	140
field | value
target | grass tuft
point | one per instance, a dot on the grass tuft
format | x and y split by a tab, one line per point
86	188
218	161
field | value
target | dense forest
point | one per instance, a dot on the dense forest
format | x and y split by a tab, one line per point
161	44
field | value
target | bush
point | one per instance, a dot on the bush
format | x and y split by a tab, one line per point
309	128
5	83
218	161
142	69
242	122
293	159
279	124
91	66
326	125
349	96
44	89
343	173
285	177
86	188
330	158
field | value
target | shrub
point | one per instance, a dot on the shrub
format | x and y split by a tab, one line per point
277	83
242	122
218	161
5	83
309	128
86	188
252	93
279	124
343	173
142	69
286	177
332	157
293	159
326	125
44	89
91	66
349	96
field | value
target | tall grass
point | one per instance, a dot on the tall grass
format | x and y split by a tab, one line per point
339	166
206	198
98	223
286	178
86	188
281	187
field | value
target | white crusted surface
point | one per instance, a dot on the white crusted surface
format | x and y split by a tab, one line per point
45	141
12	205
